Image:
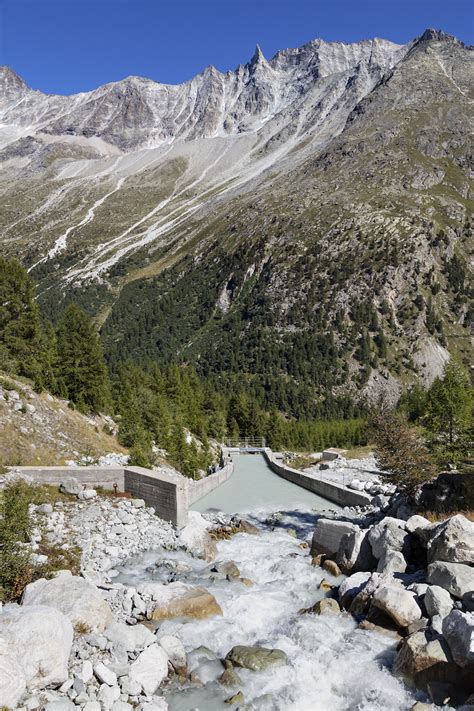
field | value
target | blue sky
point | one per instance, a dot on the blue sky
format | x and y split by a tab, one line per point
65	46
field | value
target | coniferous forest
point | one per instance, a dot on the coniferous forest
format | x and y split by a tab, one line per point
169	405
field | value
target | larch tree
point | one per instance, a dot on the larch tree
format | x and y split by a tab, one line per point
82	373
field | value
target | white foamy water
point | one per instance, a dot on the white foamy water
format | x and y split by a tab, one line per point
333	666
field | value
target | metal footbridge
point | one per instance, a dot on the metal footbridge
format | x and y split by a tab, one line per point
245	444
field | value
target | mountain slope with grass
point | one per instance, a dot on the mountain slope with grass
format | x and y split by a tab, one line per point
299	228
37	428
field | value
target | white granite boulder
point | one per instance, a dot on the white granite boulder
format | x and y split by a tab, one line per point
456	578
421	652
195	537
12	679
452	541
388	535
351	586
174	648
458	630
78	599
71	486
40	640
437	601
392	562
130	637
328	534
416	523
398	603
150	668
355	553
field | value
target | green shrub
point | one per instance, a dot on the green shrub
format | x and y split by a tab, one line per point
16	569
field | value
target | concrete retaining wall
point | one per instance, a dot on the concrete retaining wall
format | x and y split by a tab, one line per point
167	495
333	492
105	477
170	496
198	489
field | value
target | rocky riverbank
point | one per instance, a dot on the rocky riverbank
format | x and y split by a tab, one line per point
413	580
78	641
200	618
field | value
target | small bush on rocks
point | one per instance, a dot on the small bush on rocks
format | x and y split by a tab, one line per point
400	451
15	528
16	568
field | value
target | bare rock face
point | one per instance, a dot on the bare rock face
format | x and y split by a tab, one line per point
76	598
12	679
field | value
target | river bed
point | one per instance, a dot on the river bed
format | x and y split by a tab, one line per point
333	665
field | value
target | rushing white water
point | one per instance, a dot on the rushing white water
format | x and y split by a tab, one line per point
333	665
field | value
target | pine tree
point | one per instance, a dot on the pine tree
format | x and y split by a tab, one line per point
449	413
381	342
22	344
81	371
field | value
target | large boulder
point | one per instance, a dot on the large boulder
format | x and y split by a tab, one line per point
39	639
355	553
195	537
256	658
458	630
437	601
150	668
130	637
181	600
351	586
456	578
392	562
174	648
12	679
452	541
416	523
328	534
71	486
397	603
425	659
422	653
388	535
78	599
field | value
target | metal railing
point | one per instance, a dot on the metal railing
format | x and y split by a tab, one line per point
245	442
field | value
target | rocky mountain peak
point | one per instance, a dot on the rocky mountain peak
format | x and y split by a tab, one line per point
437	35
258	57
11	85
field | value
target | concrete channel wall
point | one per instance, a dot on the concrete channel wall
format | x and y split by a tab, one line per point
169	495
198	489
333	492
